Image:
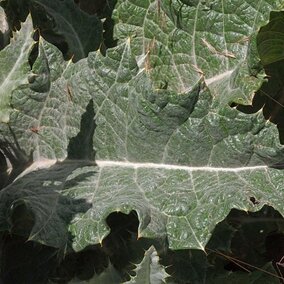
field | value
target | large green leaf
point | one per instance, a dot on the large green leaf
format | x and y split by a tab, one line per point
167	143
14	67
44	113
183	42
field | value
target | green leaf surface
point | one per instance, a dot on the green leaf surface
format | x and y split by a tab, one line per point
167	143
185	42
14	66
203	197
4	29
45	113
149	271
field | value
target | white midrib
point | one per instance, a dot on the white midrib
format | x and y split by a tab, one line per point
46	163
126	164
8	79
218	77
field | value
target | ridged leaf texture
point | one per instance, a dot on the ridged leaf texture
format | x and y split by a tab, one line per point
157	109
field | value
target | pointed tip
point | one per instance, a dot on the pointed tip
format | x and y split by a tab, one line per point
203	248
101	242
70	61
